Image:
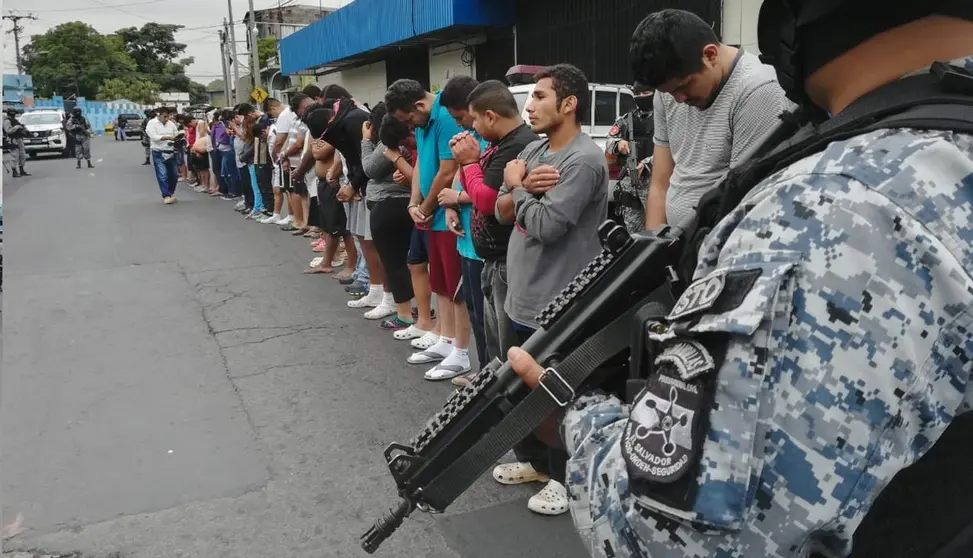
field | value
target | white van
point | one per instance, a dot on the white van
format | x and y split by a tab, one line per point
607	102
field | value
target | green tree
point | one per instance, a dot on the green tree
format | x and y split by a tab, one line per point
132	88
73	58
157	55
266	49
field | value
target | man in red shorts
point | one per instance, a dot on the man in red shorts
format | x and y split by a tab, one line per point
409	102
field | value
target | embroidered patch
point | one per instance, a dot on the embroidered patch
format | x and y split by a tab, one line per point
699	296
658	442
687	357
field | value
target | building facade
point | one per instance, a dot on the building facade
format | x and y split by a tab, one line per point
368	44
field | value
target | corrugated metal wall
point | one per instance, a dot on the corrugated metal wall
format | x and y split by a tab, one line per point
592	34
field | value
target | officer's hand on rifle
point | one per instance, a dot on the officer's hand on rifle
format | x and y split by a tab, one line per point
530	372
622	147
541	179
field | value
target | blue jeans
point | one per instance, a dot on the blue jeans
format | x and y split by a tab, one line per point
361	269
166	173
215	165
228	171
473	294
258	200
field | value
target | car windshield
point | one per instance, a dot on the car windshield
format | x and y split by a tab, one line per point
40	118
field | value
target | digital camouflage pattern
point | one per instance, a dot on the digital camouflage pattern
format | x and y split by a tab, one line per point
847	359
634	217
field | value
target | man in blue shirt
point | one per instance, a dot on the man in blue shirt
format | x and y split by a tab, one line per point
409	102
459	214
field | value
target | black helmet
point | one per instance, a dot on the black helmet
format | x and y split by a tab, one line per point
798	37
76	110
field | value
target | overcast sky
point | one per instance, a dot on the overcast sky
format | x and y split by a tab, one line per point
202	19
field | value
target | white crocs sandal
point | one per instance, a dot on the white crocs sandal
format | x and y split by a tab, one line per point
426	341
552	500
446	371
518	473
411	332
424	357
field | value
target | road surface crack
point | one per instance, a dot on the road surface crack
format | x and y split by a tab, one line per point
290	331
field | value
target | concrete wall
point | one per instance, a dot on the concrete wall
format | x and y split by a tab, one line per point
366	83
740	23
446	62
99	113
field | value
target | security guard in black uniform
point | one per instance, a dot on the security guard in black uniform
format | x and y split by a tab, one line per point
630	140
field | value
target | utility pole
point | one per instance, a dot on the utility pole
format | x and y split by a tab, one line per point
235	61
226	72
16	31
254	51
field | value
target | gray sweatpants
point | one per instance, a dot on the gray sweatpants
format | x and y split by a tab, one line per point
20	153
497	327
82	148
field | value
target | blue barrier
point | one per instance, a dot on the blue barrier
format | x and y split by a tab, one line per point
99	113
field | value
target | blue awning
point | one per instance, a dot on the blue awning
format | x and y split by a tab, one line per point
366	25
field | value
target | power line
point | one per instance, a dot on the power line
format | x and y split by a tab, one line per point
116	8
101	7
16	32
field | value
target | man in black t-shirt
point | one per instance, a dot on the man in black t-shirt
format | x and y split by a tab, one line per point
497	120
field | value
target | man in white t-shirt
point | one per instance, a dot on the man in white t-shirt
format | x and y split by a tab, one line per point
276	110
714	105
290	133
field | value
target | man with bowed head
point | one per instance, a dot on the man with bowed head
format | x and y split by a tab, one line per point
844	354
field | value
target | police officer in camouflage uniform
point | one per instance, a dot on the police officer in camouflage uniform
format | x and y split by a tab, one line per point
630	140
827	336
15	132
79	127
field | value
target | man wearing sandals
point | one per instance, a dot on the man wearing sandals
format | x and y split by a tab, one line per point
556	195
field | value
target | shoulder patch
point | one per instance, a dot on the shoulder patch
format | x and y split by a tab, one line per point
698	296
688	358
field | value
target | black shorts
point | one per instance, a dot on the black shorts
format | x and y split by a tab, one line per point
198	162
300	186
286	184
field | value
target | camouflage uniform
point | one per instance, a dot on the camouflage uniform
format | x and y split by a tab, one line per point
847	358
628	201
80	128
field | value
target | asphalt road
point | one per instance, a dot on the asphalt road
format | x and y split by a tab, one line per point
173	386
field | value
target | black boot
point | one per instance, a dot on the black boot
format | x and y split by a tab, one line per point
90	166
79	163
23	172
146	162
16	173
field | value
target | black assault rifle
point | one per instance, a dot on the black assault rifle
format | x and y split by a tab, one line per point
588	323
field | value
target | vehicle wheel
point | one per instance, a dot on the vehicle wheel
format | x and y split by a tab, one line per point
32	155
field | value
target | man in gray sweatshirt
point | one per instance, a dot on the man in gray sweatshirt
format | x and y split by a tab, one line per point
556	194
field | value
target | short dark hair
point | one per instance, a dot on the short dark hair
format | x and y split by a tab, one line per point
334	91
456	94
317	118
226	116
567	80
668	45
376	115
296	101
493	95
244	109
392	133
312	91
270	102
259	126
403	95
162	110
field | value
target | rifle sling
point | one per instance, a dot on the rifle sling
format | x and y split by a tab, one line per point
529	413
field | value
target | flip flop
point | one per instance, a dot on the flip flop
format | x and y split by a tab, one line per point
344	275
318	270
300	232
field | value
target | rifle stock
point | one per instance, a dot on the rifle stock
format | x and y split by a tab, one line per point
478	422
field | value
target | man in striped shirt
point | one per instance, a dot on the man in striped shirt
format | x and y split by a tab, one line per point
714	104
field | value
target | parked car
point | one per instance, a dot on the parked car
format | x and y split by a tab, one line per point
46	132
607	103
133	124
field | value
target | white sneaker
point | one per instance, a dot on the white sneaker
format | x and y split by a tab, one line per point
411	332
368	301
283	220
551	500
381	311
240	204
270	220
427	340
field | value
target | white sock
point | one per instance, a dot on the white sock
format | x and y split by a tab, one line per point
375	291
275	216
387	299
442	347
458	357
